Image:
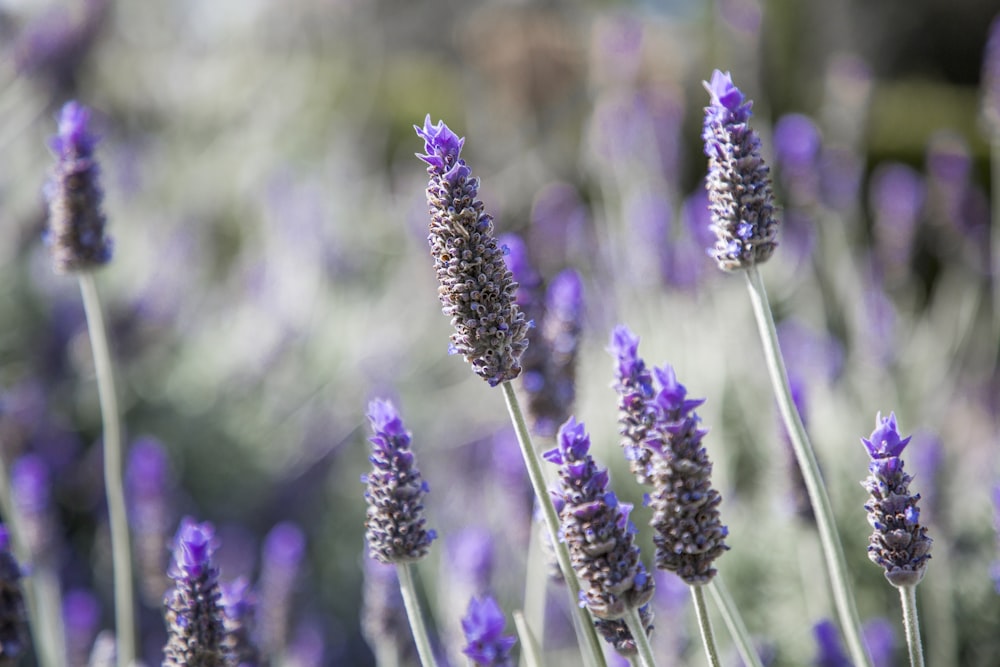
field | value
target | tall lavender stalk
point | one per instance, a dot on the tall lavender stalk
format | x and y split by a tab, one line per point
991	118
477	291
78	244
741	203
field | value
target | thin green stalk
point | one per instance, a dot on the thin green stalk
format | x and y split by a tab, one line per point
536	582
995	229
833	551
121	552
531	654
590	644
908	599
417	626
705	625
644	652
734	622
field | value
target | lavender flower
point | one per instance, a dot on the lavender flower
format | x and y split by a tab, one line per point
739	185
194	615
81	614
476	288
797	145
395	525
239	605
990	82
76	223
634	385
148	484
899	543
830	650
597	531
689	531
616	631
896	198
281	560
560	338
31	488
13	613
483	626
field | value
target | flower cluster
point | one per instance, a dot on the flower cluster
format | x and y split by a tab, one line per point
76	223
617	633
898	543
476	289
636	414
394	527
596	529
486	645
239	606
738	183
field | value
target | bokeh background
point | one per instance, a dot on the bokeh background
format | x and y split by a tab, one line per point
271	276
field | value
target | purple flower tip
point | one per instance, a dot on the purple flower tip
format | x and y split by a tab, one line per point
885	440
483	627
285	545
74	136
194	546
384	418
443	148
724	93
573	443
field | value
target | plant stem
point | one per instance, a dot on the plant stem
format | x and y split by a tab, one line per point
644	652
705	625
121	552
833	551
417	626
589	643
734	622
531	654
908	599
995	230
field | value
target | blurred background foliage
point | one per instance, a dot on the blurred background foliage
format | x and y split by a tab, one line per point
271	276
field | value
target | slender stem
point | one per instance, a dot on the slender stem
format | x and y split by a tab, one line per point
705	625
995	230
734	622
590	644
531	654
121	552
908	598
644	652
536	581
417	626
833	551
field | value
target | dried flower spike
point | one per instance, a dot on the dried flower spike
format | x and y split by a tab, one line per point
739	184
476	289
75	233
899	543
395	525
689	531
596	529
194	614
486	646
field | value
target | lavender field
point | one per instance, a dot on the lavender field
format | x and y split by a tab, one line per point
238	188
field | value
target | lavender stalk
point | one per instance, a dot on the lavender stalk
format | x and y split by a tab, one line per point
741	203
79	245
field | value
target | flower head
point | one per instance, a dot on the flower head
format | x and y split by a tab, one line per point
738	183
239	606
476	288
898	543
194	613
75	232
596	529
395	525
634	385
486	646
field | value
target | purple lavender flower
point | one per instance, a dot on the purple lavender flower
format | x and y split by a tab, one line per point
81	614
483	623
476	289
880	637
896	199
617	633
797	145
239	606
395	525
634	385
148	485
13	612
689	531
284	548
990	82
899	543
31	488
739	185
194	615
75	233
830	650
596	529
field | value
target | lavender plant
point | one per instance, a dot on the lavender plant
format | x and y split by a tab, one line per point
239	620
486	645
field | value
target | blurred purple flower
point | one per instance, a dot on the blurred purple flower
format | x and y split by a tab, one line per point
281	561
308	647
55	46
81	612
841	172
559	220
149	487
830	651
797	148
879	635
239	606
738	184
896	199
483	625
31	489
927	457
617	47
810	353
469	556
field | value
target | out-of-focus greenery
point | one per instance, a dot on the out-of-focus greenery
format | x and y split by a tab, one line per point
271	275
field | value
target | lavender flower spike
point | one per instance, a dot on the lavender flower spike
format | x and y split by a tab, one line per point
394	528
899	543
596	529
483	627
739	184
194	613
476	289
689	531
75	232
634	386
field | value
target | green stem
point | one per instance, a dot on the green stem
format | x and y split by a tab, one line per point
995	230
589	643
531	654
536	581
833	551
908	599
644	652
121	552
705	625
417	626
734	622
